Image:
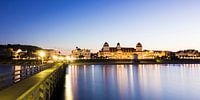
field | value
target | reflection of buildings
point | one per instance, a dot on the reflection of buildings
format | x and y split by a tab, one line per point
81	53
119	52
69	83
149	79
123	81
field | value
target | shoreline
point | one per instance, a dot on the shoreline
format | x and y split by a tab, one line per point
111	62
124	63
107	62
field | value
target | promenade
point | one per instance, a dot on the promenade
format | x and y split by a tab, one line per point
29	85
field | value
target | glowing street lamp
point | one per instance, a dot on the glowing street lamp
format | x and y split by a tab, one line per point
42	55
55	58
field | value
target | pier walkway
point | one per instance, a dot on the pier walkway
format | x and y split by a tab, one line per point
37	87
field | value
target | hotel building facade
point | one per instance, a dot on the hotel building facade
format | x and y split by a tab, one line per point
119	52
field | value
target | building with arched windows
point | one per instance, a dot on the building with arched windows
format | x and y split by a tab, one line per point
119	52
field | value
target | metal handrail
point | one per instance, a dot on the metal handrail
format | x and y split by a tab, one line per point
23	73
38	87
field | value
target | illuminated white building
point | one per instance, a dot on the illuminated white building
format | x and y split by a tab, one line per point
80	53
119	52
188	54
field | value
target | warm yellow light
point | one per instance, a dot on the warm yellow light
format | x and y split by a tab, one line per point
67	57
55	57
61	58
19	50
70	58
41	53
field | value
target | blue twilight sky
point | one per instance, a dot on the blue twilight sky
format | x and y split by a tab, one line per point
65	24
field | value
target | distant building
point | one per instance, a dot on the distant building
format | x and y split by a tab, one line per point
51	53
153	54
119	52
81	53
94	56
188	54
17	51
139	47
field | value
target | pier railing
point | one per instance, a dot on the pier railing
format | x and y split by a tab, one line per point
19	73
27	71
37	87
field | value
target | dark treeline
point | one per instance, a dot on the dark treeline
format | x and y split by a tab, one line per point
7	51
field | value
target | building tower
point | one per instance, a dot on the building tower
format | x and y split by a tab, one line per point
118	46
139	47
106	47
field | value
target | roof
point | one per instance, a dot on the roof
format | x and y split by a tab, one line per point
106	44
114	49
139	45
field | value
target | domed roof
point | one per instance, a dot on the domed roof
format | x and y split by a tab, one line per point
106	44
118	44
139	45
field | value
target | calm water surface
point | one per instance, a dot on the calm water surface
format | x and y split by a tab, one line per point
125	82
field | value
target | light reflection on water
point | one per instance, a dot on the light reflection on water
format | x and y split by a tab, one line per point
68	86
122	82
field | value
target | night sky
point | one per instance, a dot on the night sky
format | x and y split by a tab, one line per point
65	24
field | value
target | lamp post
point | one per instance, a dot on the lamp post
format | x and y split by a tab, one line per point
42	54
